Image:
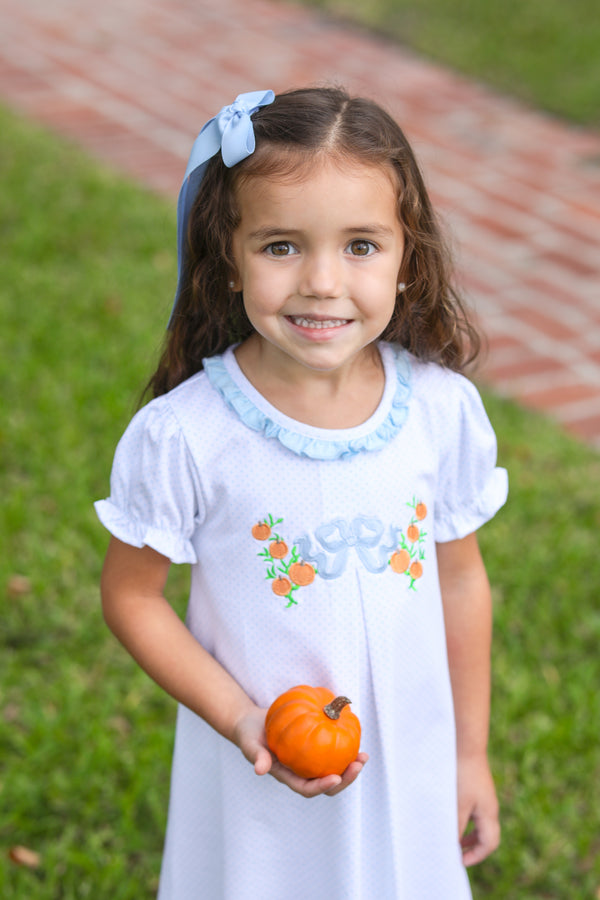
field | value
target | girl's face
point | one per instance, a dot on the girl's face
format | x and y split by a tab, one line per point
318	260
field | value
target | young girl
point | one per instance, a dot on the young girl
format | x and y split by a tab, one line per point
313	452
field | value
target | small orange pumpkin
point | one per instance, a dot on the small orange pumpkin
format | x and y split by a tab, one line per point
302	573
281	586
412	533
261	531
400	561
416	570
313	732
278	549
420	511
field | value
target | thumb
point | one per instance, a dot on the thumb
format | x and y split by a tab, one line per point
262	761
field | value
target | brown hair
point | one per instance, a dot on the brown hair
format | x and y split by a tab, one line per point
429	319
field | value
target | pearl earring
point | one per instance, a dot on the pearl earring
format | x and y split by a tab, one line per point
231	285
401	287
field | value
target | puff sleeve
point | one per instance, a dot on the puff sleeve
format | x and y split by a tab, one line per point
154	489
471	488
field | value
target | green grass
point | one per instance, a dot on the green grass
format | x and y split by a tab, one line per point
85	738
542	51
542	557
88	269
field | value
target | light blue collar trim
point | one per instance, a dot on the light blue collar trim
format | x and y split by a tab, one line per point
227	378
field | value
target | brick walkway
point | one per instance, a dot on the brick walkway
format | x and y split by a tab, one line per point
133	80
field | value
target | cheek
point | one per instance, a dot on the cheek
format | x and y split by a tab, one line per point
385	301
258	302
381	288
266	286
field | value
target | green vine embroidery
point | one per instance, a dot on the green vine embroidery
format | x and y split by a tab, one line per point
285	568
409	556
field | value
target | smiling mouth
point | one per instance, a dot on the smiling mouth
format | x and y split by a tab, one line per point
303	322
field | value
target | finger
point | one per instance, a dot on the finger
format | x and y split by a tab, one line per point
350	775
347	779
313	787
478	844
307	787
474	856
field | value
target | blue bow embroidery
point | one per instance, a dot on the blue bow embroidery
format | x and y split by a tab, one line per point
364	533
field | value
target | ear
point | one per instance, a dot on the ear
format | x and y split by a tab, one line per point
402	278
235	282
400	283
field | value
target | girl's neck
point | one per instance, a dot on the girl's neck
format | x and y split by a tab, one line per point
342	398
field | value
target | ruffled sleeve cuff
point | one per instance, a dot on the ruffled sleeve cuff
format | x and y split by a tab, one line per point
454	524
155	498
135	533
471	488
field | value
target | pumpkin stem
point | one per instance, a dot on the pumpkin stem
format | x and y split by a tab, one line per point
333	709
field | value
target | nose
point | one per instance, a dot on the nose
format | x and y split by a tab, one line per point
321	276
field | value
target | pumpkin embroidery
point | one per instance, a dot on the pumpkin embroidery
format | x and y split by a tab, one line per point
326	552
409	556
302	573
286	575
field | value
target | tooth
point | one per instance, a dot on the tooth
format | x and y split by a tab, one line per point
318	323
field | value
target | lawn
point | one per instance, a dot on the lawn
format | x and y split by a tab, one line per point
545	52
88	270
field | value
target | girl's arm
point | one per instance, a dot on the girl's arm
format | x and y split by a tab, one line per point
135	609
468	616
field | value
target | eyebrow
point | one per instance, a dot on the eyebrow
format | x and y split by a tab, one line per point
371	229
264	234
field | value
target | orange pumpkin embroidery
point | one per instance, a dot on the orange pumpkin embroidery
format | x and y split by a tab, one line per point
400	561
264	527
261	531
287	574
302	573
409	557
278	549
412	533
416	569
281	586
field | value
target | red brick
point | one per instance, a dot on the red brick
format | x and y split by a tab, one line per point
527	365
573	262
588	429
560	396
544	323
549	287
497	342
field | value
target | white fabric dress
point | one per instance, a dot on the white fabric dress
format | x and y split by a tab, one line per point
196	470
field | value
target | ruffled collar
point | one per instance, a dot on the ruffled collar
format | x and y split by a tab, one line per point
227	378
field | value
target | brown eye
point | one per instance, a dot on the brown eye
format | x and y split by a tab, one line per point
361	248
282	248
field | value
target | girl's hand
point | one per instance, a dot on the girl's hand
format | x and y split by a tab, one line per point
478	805
250	738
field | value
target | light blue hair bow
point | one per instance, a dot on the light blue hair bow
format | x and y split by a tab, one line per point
231	132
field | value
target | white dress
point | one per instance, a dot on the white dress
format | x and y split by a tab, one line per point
196	470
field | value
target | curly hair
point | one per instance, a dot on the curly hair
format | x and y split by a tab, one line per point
300	126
